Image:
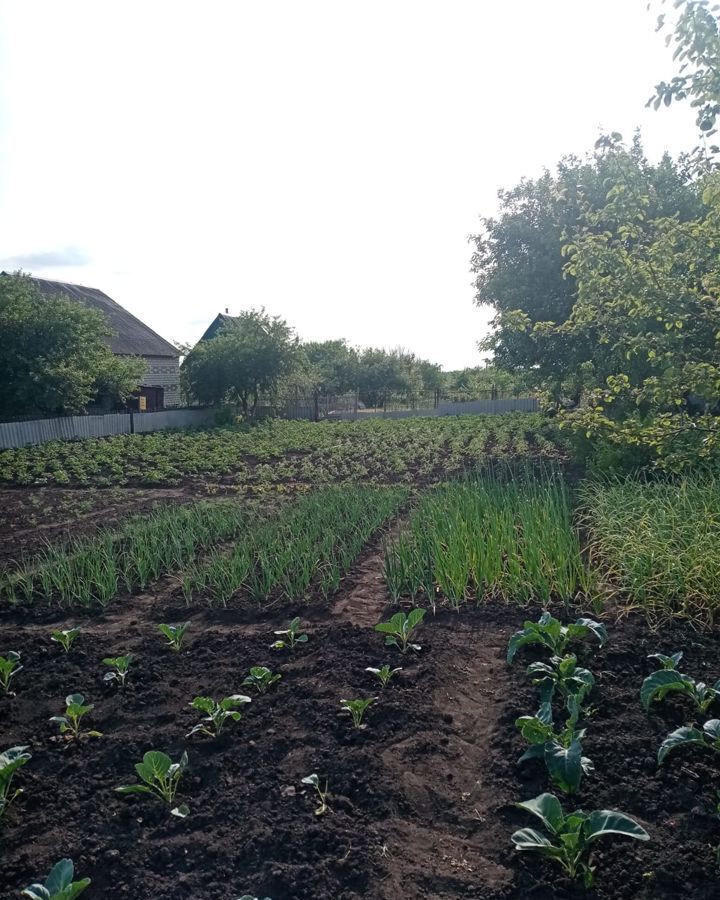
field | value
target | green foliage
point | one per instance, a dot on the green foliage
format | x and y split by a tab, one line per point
217	713
54	356
244	359
175	634
507	534
59	884
563	676
9	667
322	793
11	760
357	709
65	638
261	678
400	629
290	636
562	750
709	738
669	681
71	723
655	544
552	634
160	777
120	668
385	674
569	837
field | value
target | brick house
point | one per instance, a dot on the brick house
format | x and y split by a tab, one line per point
160	388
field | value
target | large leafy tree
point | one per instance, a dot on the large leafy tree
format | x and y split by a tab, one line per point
388	374
244	359
54	356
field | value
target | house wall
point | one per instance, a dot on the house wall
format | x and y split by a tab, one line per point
164	372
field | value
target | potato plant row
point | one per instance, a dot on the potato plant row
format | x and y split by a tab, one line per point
279	451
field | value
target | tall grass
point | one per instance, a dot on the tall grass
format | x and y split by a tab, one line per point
490	536
94	570
310	544
656	544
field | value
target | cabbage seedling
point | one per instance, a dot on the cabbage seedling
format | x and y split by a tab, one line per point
71	721
399	630
314	781
571	836
555	636
666	681
667	662
709	737
561	674
120	666
385	674
65	638
175	634
161	777
292	636
261	678
357	709
59	884
218	712
9	667
10	761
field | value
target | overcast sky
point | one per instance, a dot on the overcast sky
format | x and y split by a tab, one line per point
324	158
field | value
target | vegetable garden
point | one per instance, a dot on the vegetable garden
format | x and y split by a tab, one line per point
440	665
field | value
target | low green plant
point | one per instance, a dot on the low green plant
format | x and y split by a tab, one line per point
175	634
357	709
668	680
120	668
555	636
9	667
160	777
570	836
562	675
384	675
261	678
217	713
709	738
70	724
562	750
59	884
400	629
291	635
65	638
10	761
322	793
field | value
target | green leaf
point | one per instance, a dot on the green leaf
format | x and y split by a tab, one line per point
607	821
659	684
415	616
180	811
60	876
684	735
547	808
133	789
565	764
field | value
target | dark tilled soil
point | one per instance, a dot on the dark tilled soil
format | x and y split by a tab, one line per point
421	800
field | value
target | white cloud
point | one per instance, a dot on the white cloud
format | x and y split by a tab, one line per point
325	159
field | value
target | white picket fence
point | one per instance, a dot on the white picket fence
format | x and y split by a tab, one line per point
69	428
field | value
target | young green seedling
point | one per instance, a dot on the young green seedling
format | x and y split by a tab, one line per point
561	751
385	674
120	668
65	638
314	781
261	678
709	738
570	837
292	636
75	709
357	709
399	630
549	632
667	662
59	884
9	667
175	634
10	761
561	674
668	680
161	778
218	712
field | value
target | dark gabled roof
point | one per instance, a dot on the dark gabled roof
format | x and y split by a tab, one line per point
130	337
220	320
